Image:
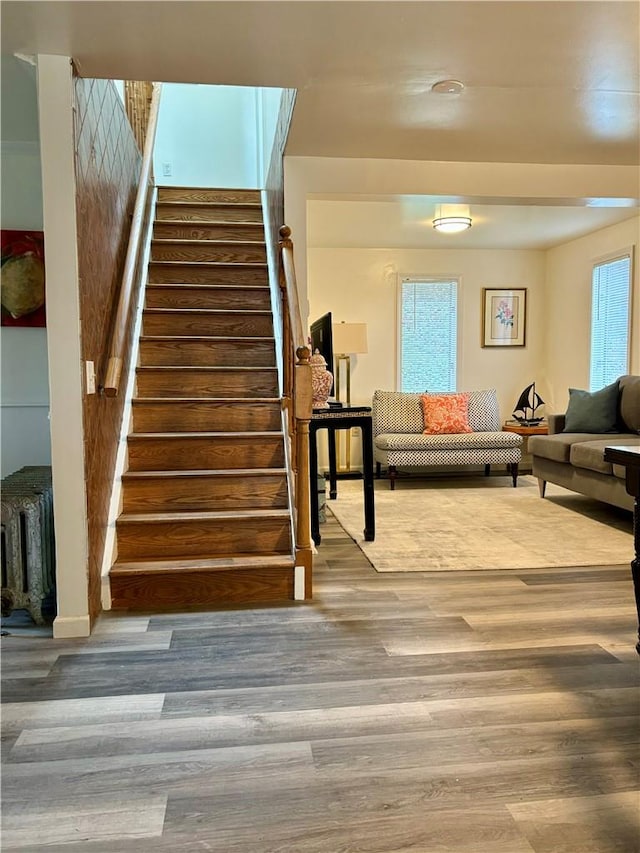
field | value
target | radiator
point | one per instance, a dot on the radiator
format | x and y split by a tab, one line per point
28	544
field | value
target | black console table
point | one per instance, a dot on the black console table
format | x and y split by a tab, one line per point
629	456
333	420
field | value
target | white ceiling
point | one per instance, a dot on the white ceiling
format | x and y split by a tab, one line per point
545	82
406	223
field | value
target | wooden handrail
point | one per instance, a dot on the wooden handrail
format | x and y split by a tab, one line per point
298	398
119	333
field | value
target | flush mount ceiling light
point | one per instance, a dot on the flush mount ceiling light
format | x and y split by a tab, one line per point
452	218
448	87
452	224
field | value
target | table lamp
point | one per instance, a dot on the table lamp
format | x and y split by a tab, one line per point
348	339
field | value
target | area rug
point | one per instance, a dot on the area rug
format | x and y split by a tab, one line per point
462	524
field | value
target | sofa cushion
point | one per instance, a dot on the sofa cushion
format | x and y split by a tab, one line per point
445	414
397	411
593	412
484	412
453	441
556	447
630	402
590	454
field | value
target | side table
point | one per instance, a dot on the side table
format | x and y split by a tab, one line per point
525	432
333	420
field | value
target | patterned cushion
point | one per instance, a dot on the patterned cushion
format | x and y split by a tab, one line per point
445	413
397	411
484	412
453	441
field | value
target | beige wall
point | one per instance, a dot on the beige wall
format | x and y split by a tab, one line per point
360	285
568	307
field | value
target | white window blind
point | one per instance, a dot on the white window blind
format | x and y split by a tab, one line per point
428	334
610	312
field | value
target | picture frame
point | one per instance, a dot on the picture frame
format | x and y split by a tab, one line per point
504	316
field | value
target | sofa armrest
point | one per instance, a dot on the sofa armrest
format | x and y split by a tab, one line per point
556	423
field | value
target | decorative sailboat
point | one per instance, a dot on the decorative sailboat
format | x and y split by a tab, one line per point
528	402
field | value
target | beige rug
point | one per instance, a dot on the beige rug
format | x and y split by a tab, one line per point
483	523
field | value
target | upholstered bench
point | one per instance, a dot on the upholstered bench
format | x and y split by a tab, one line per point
399	437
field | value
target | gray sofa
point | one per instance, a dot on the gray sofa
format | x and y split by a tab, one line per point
575	460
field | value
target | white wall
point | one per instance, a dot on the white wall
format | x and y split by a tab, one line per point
359	285
24	409
208	134
568	307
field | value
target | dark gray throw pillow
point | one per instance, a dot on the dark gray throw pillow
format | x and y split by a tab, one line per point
595	411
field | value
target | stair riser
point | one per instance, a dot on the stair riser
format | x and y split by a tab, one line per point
213	493
196	383
168	591
214	297
139	540
243	254
213	353
169	273
234	231
167	212
190	454
206	417
198	194
217	325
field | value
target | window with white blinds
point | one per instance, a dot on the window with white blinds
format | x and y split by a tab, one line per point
610	314
428	334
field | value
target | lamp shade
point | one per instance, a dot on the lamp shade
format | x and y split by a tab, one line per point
349	338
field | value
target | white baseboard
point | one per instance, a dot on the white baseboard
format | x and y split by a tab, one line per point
71	626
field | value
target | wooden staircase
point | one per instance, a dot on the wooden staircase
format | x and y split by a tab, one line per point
205	515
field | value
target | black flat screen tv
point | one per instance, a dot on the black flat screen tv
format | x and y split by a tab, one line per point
322	338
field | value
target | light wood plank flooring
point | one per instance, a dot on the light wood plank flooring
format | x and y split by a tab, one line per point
484	712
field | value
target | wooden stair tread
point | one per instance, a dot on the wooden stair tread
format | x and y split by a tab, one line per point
206	287
202	311
190	241
252	265
217	564
209	338
204	472
201	367
195	223
209	515
143	436
196	202
219	400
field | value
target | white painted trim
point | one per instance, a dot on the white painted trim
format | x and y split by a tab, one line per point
110	552
71	626
55	113
298	583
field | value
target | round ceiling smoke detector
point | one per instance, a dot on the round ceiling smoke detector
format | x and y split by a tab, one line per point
448	87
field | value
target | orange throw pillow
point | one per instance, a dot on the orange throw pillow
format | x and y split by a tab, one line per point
445	413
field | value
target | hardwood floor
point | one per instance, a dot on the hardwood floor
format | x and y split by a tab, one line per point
471	712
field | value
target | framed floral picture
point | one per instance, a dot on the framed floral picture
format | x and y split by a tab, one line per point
504	317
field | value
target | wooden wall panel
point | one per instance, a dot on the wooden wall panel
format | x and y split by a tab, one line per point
107	170
275	175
